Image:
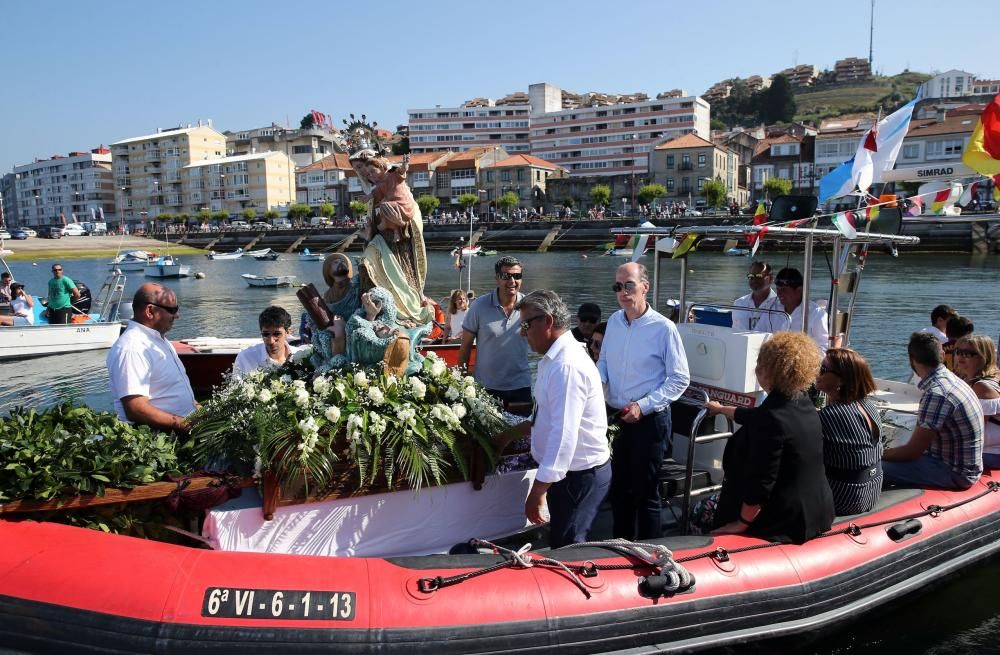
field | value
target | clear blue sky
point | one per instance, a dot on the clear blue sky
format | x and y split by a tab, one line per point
78	74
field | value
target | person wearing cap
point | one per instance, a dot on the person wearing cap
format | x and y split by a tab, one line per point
788	283
21	305
587	318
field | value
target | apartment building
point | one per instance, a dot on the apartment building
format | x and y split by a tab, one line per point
63	189
801	75
324	181
525	176
837	141
148	169
788	156
985	87
8	201
609	139
950	84
477	123
460	173
852	69
683	165
261	181
302	146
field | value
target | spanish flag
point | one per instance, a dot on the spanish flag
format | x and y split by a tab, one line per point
759	218
983	152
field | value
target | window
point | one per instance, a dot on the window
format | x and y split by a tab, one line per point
701	161
911	151
670	161
670	185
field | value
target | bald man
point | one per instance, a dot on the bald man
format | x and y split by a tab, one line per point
148	381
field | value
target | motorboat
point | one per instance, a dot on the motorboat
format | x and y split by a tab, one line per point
262	254
467	251
306	256
131	260
89	330
166	266
269	280
236	254
737	252
625	245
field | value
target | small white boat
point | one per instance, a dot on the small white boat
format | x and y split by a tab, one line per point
131	260
236	254
269	280
306	256
166	266
738	252
468	251
257	254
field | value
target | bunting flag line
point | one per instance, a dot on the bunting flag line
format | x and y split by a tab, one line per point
685	245
879	148
845	222
982	154
797	223
871	212
940	198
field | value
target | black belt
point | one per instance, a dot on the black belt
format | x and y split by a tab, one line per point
854	476
590	470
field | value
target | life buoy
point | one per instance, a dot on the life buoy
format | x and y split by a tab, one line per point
437	332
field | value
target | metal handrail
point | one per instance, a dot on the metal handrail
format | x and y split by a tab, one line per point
693	441
736	308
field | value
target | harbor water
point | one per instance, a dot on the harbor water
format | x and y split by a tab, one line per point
896	297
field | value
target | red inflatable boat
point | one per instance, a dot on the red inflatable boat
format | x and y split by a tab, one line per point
65	589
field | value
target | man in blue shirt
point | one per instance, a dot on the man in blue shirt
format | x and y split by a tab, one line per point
644	369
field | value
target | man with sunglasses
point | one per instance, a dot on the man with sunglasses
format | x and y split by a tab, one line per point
148	381
761	296
62	293
788	284
494	326
644	368
587	318
274	350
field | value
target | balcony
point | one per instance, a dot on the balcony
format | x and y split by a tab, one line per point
685	166
152	155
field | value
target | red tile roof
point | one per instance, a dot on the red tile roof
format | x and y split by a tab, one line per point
337	161
524	160
685	141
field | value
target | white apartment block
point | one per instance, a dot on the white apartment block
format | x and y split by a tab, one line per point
476	123
609	139
64	189
950	84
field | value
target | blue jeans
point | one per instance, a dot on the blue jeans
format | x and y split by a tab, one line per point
636	456
573	503
924	472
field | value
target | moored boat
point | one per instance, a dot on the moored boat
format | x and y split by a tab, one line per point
131	260
307	256
236	254
166	266
269	280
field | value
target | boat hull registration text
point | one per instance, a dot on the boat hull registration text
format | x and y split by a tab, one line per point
233	603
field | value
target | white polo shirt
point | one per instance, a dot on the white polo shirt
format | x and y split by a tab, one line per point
254	357
818	329
143	363
757	321
570	429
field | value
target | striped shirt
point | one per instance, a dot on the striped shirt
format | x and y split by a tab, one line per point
950	408
849	444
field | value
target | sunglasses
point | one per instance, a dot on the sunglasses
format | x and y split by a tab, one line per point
57	270
962	352
510	276
266	334
167	308
526	324
756	276
618	286
588	320
785	283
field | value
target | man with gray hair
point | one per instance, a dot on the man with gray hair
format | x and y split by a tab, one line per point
568	427
645	368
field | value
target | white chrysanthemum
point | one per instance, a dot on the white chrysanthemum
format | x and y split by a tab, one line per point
264	396
452	393
301	397
299	384
469	392
459	410
438	368
332	414
249	392
286	378
376	395
433	356
419	388
321	385
277	386
468	381
302	354
361	379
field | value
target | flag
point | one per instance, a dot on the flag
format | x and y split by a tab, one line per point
879	148
757	238
797	223
871	213
845	222
684	246
759	218
837	182
982	154
970	193
941	197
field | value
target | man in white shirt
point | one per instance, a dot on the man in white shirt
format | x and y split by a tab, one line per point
940	316
644	368
788	282
275	324
569	427
761	297
148	381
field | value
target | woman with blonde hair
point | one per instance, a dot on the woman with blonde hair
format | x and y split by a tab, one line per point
458	307
852	431
976	363
774	484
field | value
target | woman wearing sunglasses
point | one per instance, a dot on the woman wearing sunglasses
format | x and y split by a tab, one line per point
852	431
976	363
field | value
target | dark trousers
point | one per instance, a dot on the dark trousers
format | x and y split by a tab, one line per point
573	503
60	316
636	455
519	396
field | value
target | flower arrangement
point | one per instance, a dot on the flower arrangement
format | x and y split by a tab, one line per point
296	422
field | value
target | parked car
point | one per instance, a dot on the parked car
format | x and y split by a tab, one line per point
691	212
29	232
239	225
261	225
74	230
50	232
4	234
20	235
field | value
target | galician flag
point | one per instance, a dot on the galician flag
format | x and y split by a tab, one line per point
837	182
982	154
879	148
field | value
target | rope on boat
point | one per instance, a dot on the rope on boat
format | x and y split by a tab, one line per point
669	576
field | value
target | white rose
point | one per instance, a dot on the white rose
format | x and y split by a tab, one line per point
264	396
301	397
469	392
321	384
452	393
375	394
332	414
459	410
438	368
302	354
361	379
299	384
419	388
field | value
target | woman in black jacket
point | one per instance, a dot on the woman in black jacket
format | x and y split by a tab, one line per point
775	483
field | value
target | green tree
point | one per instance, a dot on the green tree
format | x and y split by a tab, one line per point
402	146
777	186
714	192
221	216
359	208
204	216
249	214
327	210
428	204
600	194
507	201
467	200
181	219
651	192
272	214
299	212
165	218
776	103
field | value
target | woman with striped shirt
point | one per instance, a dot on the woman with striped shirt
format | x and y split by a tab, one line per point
852	431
